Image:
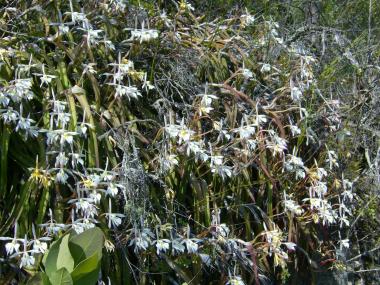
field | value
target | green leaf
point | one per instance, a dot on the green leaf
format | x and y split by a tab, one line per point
18	207
182	272
4	161
93	150
86	272
44	200
39	279
61	277
59	256
84	245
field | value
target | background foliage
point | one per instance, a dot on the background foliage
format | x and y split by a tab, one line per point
200	142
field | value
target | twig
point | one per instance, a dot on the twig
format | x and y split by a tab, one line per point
366	252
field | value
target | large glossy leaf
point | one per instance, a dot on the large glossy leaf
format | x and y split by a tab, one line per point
59	256
87	271
61	277
86	244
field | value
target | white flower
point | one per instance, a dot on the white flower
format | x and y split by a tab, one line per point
195	147
27	260
184	135
142	240
45	78
295	164
252	144
205	106
89	68
114	220
63	29
295	130
265	68
327	214
108	176
222	230
184	5
62	118
59	106
112	190
321	172
162	245
247	19
61	176
82	129
53	228
332	159
295	94
278	145
108	44
245	132
247	73
24	123
79	226
290	245
216	160
348	194
319	187
94	179
77	17
343	220
75	159
293	207
95	196
110	247
324	210
92	36
67	137
123	66
172	130
61	160
260	119
12	247
39	246
4	100
222	170
129	91
191	245
20	90
85	205
10	116
165	19
168	162
144	35
345	243
140	243
300	174
177	246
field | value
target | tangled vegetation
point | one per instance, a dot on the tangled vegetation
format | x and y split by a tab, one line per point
143	142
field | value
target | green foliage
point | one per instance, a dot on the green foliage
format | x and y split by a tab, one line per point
72	259
206	141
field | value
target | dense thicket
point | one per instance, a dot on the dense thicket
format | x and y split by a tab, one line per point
203	142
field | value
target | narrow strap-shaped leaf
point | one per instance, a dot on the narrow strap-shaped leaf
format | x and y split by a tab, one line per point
4	161
80	94
44	200
18	208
